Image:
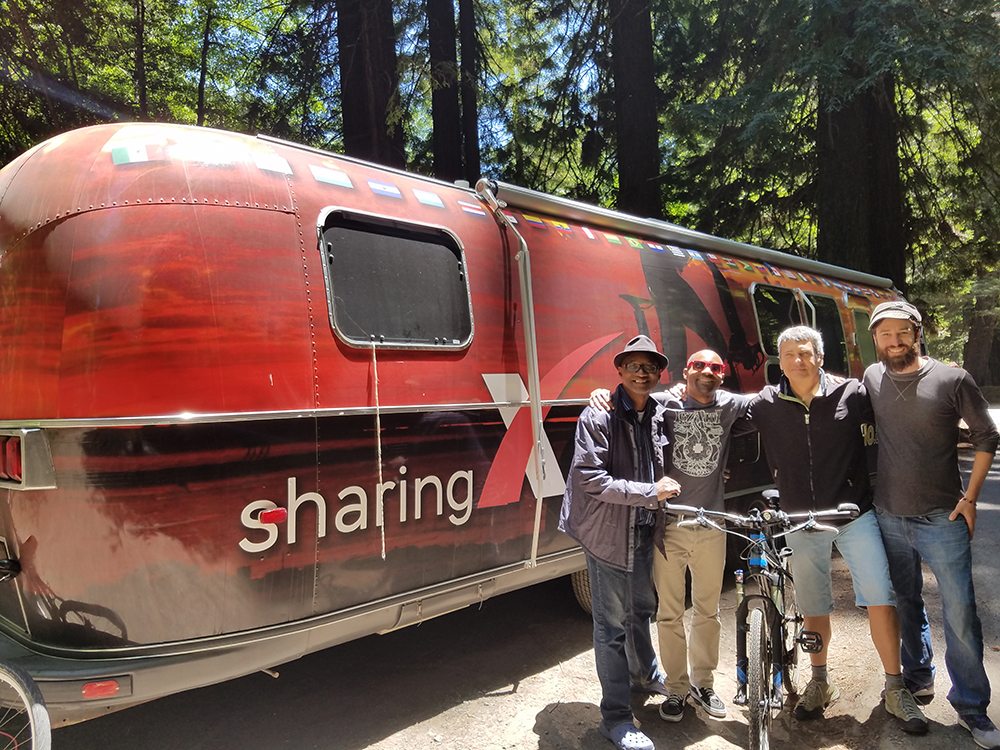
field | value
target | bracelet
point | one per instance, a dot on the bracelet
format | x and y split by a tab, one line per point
967	500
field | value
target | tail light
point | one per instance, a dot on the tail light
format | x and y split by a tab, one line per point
25	460
10	458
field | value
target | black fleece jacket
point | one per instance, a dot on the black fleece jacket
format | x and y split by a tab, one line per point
820	454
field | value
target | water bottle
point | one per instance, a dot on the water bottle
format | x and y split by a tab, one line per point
757	559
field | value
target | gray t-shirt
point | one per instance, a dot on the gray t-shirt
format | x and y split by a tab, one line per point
701	435
916	415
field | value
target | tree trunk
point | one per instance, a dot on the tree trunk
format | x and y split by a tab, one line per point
203	73
635	108
983	344
447	135
370	81
140	59
859	202
470	89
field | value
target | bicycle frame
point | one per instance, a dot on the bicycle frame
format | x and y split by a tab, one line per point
766	675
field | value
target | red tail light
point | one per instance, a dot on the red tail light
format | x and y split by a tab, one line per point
100	689
11	459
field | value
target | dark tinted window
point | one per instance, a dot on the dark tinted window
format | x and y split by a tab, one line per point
865	343
831	328
396	284
776	310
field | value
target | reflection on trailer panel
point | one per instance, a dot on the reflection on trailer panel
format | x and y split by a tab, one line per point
260	399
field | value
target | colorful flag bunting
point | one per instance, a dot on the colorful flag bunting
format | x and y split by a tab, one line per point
331	176
384	188
427	198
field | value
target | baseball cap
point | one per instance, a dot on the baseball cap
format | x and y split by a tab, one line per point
641	344
898	309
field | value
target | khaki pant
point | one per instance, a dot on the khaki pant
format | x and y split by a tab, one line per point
703	551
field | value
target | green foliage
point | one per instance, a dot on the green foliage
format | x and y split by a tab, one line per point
740	86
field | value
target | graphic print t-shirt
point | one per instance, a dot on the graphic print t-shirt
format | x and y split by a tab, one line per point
701	447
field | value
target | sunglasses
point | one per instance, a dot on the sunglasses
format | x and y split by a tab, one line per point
649	369
715	367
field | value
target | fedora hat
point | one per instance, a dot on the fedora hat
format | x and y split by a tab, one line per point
641	344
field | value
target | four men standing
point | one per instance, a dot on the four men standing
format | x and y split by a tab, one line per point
923	514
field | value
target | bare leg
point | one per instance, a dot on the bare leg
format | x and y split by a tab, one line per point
884	626
819	624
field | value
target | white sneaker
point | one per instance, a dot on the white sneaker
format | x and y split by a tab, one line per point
983	731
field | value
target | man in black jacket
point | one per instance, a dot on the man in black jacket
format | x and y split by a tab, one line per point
816	433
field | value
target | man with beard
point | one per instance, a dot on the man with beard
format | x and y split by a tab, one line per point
701	447
924	513
616	485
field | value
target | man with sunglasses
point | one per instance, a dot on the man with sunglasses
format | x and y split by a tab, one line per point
617	482
702	425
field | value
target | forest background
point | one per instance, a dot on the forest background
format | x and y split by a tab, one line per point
864	133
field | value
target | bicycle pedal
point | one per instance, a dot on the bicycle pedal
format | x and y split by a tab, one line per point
810	641
740	699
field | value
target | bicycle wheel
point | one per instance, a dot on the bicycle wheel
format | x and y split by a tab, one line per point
793	631
24	722
759	680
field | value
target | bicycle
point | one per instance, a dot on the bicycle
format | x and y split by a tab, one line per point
769	627
24	721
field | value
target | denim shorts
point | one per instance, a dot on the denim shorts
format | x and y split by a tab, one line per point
860	544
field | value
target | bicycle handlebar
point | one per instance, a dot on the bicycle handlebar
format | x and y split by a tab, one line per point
763	520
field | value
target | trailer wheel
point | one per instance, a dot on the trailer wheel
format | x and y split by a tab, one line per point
24	722
581	589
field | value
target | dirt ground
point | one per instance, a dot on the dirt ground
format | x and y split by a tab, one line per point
556	709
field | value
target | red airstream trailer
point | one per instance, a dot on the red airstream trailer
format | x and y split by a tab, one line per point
258	399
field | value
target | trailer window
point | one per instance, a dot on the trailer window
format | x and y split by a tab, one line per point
865	343
395	284
776	309
826	320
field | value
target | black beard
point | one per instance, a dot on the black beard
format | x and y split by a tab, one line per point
896	364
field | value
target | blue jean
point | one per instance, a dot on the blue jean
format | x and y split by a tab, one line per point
944	546
623	603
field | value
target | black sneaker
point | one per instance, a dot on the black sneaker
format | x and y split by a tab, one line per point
709	701
672	709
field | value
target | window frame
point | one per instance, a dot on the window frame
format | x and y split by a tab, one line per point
434	233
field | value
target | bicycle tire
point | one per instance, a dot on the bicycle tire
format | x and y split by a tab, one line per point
759	680
791	671
24	720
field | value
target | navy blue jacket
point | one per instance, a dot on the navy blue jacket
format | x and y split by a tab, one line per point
602	499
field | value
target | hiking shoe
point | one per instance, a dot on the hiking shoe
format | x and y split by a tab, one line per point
626	736
672	709
900	703
815	699
708	700
983	732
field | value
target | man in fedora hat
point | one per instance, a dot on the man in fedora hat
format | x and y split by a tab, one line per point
616	484
924	513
